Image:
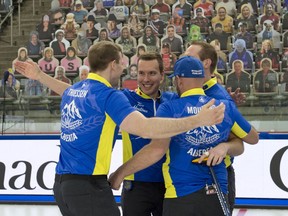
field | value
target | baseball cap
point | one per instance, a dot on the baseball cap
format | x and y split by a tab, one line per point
155	11
199	10
189	67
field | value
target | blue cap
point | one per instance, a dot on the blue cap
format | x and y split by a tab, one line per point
189	67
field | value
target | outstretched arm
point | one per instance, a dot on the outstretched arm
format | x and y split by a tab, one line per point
158	128
32	71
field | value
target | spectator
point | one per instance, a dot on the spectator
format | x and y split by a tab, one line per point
206	5
114	31
168	57
81	44
175	41
71	62
270	14
241	53
253	4
103	36
131	81
247	16
268	33
70	26
45	29
151	41
99	9
58	18
200	20
91	31
156	23
120	10
284	80
141	48
83	73
127	41
135	25
265	79
185	8
267	51
141	9
22	56
80	13
35	46
178	21
60	75
48	62
11	85
238	78
59	44
162	7
194	34
224	19
245	35
220	35
230	6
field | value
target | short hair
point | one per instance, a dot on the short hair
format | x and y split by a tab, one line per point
101	54
153	56
207	52
83	67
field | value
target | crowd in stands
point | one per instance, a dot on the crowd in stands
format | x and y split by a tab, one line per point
251	38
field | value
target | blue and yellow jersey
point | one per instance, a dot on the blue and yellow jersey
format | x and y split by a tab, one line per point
132	144
217	91
182	177
90	112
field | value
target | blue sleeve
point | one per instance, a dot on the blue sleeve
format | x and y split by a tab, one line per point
241	126
118	107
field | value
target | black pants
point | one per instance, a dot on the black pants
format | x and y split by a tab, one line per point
195	204
142	198
231	187
81	195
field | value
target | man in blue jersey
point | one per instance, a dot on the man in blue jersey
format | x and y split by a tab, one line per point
185	182
208	56
91	113
143	192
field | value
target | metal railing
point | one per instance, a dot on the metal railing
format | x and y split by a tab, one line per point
10	15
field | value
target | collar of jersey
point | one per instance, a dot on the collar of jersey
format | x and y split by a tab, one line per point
195	91
99	78
210	83
143	95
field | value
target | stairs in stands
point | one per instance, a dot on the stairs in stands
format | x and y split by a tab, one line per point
27	23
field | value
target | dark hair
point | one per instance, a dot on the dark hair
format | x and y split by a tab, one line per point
207	52
101	54
152	56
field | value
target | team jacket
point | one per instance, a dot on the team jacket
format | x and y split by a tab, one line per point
90	112
182	177
132	144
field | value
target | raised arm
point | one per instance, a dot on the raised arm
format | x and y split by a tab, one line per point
158	128
32	71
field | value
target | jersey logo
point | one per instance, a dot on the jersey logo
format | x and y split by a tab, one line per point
203	135
140	107
70	116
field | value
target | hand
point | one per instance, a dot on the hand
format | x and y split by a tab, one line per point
238	97
212	116
115	180
29	69
215	155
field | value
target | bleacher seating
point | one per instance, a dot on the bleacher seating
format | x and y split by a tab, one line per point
257	30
